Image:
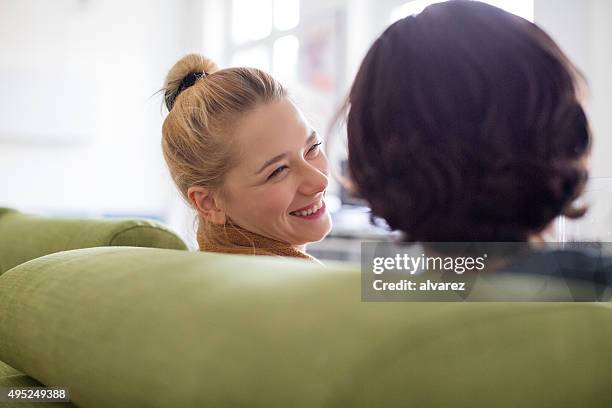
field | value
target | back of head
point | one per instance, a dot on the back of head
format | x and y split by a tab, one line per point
465	124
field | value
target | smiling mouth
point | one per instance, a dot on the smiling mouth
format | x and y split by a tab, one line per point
311	211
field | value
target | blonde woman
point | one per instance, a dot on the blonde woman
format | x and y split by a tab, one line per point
242	154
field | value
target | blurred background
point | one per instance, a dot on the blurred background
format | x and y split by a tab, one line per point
80	120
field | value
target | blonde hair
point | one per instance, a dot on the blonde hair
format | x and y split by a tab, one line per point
205	104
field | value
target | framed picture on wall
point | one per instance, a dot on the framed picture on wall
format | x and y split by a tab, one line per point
322	52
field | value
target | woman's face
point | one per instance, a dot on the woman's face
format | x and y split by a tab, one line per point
277	189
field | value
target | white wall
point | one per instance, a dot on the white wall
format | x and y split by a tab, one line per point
123	49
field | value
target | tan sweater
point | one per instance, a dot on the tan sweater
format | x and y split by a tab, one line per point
232	239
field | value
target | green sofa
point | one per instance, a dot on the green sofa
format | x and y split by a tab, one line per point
25	236
153	327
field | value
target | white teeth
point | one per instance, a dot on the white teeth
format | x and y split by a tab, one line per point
309	211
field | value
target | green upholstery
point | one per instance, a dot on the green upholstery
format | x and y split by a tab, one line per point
24	237
154	327
6	371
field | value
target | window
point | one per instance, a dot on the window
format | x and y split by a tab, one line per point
264	36
522	8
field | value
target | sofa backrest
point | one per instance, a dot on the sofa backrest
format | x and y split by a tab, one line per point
154	327
24	237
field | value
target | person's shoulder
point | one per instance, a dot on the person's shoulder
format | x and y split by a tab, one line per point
590	263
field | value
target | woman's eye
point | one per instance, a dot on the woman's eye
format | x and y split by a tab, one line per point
314	148
276	172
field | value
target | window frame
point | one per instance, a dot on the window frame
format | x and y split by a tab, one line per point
268	42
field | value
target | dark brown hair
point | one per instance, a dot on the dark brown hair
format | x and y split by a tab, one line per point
465	124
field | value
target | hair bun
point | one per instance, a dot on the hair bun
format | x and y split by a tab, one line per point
185	73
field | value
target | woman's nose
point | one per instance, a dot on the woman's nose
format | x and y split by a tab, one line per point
313	180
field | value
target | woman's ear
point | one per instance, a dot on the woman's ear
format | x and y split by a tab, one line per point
206	204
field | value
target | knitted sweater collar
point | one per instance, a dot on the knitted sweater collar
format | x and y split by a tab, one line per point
232	239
